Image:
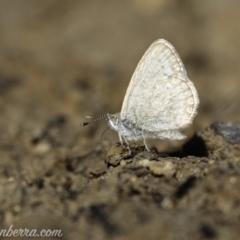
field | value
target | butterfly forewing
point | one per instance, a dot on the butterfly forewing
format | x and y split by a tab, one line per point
159	61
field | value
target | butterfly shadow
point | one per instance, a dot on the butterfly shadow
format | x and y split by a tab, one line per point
194	147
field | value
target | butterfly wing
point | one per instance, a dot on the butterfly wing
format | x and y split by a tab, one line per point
172	105
149	95
159	61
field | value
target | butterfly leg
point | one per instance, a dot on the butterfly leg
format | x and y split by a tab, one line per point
144	140
129	150
120	138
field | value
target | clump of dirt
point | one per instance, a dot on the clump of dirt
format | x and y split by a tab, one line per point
156	194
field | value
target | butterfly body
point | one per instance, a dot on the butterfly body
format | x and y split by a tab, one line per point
128	130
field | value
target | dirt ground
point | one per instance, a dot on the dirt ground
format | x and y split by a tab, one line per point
63	60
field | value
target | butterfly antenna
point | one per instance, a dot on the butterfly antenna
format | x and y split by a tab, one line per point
94	119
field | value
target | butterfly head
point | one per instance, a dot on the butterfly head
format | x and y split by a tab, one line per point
113	121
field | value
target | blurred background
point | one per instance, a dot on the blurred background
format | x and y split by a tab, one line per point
69	59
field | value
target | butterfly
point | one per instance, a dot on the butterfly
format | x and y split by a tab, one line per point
160	100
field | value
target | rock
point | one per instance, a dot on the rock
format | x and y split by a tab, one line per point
229	131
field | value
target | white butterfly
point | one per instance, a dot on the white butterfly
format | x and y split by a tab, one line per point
160	99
